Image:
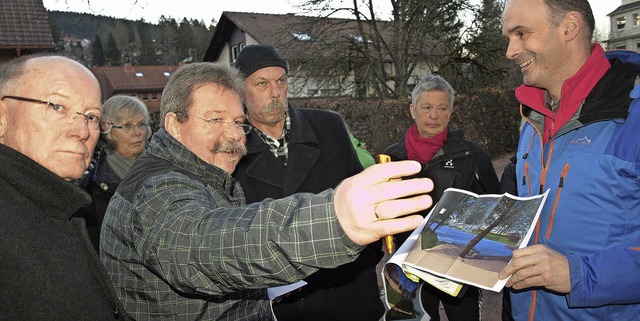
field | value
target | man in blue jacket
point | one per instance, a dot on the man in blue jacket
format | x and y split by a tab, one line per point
580	141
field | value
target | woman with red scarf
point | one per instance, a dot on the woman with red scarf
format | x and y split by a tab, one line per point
450	161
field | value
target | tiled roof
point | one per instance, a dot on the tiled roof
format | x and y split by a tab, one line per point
278	31
138	78
24	24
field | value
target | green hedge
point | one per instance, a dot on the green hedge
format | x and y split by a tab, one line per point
489	117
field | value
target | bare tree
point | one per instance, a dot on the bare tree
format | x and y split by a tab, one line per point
384	53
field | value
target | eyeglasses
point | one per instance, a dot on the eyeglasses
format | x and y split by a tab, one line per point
56	112
219	123
127	128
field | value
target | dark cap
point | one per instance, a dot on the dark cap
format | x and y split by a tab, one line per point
254	57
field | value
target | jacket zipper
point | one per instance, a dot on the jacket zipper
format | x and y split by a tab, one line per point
555	203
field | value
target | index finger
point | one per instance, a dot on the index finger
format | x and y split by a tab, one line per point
520	259
391	190
385	172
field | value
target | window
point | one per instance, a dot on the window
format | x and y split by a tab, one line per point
621	22
301	36
154	96
636	19
234	53
621	47
139	74
167	74
638	46
145	96
360	38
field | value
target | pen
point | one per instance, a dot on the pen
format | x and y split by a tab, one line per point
382	158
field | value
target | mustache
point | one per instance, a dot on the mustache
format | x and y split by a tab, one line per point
274	105
235	147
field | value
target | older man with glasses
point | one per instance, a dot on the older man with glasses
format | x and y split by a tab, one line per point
49	124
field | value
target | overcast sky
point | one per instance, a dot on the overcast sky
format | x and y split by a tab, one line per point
204	10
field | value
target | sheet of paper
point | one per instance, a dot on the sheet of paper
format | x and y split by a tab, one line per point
277	291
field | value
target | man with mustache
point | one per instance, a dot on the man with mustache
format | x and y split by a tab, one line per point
178	240
292	150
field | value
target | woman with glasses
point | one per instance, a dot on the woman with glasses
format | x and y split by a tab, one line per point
449	160
124	132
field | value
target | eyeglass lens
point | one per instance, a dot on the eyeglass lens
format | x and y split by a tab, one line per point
56	112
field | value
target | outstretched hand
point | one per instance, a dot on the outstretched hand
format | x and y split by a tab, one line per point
370	205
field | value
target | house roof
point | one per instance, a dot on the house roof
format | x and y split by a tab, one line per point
626	7
264	28
135	78
24	24
290	34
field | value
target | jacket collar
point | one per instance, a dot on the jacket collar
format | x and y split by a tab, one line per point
300	133
599	91
164	146
574	90
303	154
48	191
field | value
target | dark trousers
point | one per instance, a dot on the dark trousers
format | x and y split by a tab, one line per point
506	305
463	308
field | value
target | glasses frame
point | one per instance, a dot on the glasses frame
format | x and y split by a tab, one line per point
246	129
54	106
112	125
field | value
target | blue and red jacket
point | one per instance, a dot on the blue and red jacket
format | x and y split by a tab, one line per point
588	156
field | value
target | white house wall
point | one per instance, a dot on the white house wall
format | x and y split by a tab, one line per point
628	37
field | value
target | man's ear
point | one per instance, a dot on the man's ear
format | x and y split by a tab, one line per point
572	25
171	125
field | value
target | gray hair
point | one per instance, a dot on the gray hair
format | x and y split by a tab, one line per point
121	108
177	94
432	82
557	9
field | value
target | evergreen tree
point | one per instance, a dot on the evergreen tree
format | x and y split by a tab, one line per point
113	55
147	52
168	41
486	47
132	52
56	31
202	37
186	41
97	52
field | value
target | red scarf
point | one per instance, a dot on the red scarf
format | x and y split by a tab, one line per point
422	149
